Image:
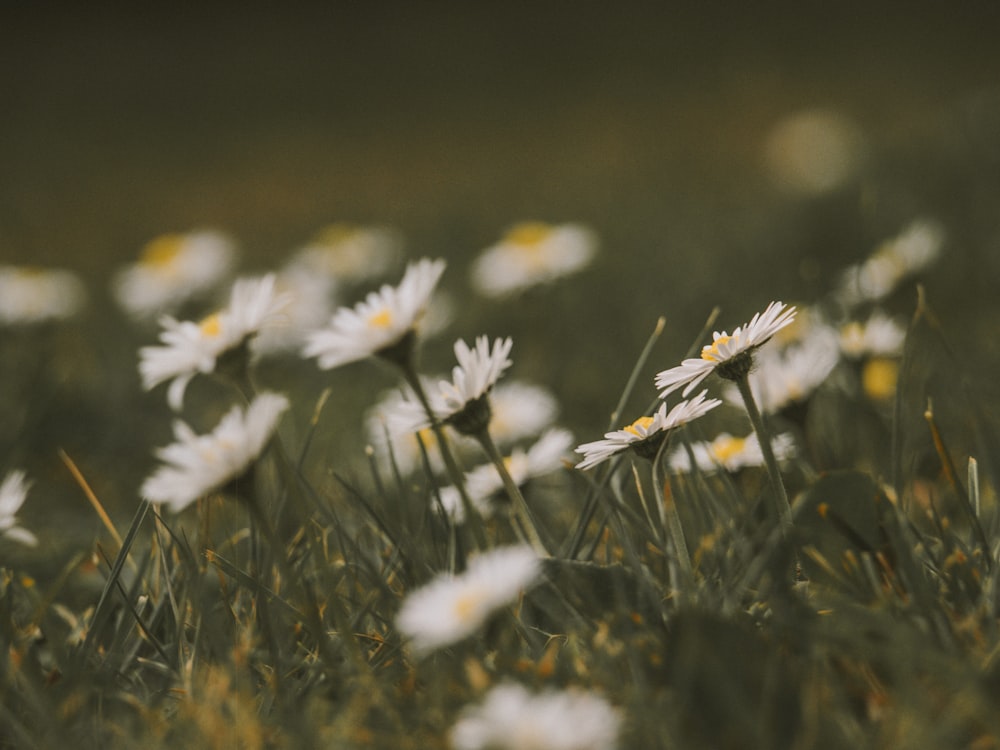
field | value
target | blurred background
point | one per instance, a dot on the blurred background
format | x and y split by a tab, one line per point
725	155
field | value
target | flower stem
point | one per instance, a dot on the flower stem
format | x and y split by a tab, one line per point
784	510
521	510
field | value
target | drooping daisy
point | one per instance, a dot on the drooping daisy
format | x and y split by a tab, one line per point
172	269
462	402
513	718
347	253
520	410
30	295
782	377
730	355
911	251
730	453
13	493
453	607
879	336
195	465
484	482
378	324
189	348
646	434
532	253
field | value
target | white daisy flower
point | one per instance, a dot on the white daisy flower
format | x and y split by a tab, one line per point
347	253
484	482
513	718
194	465
879	336
730	453
790	375
911	251
730	355
189	348
310	304
31	295
453	607
13	493
532	253
520	410
378	323
645	434
172	269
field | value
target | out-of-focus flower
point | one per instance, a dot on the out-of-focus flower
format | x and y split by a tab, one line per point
189	348
880	336
195	465
532	253
172	269
30	295
13	493
347	253
729	355
911	251
730	453
520	410
879	377
310	304
785	376
453	607
513	718
378	324
813	152
646	434
484	482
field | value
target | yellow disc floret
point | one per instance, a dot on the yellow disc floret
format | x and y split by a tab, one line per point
642	423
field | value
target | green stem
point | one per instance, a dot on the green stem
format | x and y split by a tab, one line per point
521	510
673	522
784	509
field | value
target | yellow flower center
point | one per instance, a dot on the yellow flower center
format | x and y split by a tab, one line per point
30	272
381	319
642	423
528	235
878	378
335	234
726	448
711	352
212	325
161	251
466	606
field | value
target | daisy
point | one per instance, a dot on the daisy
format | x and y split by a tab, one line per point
194	465
513	718
380	323
484	482
532	253
729	355
13	493
172	269
730	453
346	253
310	303
520	410
453	607
189	348
646	434
880	336
31	295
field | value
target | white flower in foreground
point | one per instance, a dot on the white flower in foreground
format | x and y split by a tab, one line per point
453	607
532	253
731	355
646	434
172	269
13	492
189	348
513	718
520	410
730	453
347	253
380	322
911	251
790	375
484	482
879	336
31	295
194	465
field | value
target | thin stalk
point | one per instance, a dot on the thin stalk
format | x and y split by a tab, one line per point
673	522
521	510
783	508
